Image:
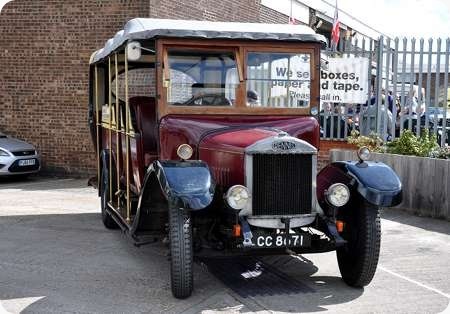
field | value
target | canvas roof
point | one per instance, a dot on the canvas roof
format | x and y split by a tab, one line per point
146	28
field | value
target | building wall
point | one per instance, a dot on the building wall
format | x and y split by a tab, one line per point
325	146
44	52
225	10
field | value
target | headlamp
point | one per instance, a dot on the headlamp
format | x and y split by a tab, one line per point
3	153
363	154
237	197
185	151
338	194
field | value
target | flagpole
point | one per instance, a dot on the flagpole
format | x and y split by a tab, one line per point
290	14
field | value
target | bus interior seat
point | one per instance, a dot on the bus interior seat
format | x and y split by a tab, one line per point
143	111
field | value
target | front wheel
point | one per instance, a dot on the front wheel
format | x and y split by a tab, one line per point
358	259
181	251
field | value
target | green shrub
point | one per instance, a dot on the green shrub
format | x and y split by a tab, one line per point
372	141
409	144
406	144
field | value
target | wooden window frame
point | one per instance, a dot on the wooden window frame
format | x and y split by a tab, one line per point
277	49
241	48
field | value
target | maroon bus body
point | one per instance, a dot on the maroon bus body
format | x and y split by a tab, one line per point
220	141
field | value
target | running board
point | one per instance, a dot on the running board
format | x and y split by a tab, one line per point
139	239
118	218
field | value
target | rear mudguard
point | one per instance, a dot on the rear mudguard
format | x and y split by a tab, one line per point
104	163
104	166
188	184
374	181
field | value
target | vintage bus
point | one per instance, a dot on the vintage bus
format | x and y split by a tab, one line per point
206	135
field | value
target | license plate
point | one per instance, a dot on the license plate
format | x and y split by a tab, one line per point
281	240
27	162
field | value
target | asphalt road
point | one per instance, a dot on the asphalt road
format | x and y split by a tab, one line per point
56	257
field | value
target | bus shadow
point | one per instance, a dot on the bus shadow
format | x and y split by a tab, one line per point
71	261
280	283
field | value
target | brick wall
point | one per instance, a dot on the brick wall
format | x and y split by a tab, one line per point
224	10
324	151
44	52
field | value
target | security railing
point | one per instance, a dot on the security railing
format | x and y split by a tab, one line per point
407	89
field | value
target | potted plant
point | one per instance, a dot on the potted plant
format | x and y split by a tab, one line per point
423	167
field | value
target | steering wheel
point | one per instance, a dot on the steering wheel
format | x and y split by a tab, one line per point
220	100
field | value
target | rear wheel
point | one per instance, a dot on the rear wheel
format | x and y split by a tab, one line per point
107	220
181	251
358	259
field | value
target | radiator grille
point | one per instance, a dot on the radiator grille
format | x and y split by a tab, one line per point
282	184
24	153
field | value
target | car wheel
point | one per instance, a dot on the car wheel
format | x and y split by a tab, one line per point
107	220
358	259
181	251
23	177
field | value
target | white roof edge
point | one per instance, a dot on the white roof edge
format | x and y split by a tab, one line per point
146	28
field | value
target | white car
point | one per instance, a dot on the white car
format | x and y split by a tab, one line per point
17	157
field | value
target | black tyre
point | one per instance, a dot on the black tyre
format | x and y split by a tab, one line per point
181	251
358	259
23	177
107	220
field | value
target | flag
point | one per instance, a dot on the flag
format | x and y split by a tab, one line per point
335	30
292	21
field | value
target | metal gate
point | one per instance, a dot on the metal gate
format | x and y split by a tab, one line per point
408	89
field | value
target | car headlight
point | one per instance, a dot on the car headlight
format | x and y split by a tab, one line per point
3	153
237	197
185	151
338	194
363	153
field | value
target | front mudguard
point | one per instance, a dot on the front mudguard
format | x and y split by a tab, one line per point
374	181
188	184
185	184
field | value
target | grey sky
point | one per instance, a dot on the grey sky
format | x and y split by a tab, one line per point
2	3
411	18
